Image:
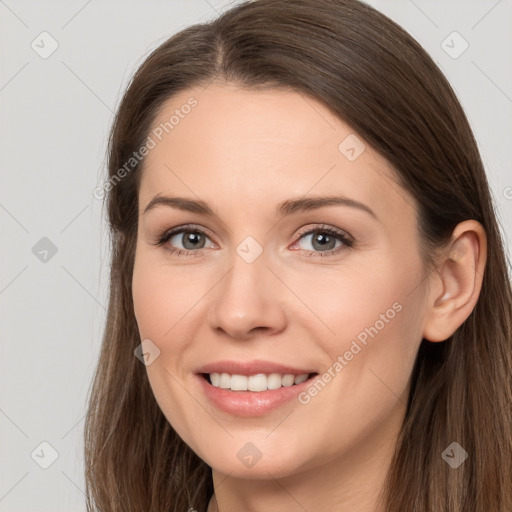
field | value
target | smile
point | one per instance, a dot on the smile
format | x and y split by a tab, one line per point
256	383
251	388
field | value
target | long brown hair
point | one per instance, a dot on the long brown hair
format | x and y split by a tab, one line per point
376	78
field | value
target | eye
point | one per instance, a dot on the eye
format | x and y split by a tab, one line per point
184	240
190	240
324	241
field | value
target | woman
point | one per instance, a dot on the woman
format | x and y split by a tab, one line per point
306	259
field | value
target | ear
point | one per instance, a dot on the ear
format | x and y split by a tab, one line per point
458	281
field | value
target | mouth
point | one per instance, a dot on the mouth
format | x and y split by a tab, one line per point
256	383
252	388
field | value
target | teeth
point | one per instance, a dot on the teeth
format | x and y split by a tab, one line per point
288	380
274	381
256	382
238	382
215	378
259	382
301	378
224	381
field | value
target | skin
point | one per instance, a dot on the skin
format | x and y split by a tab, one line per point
243	152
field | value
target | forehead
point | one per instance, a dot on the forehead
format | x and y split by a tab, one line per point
245	120
244	147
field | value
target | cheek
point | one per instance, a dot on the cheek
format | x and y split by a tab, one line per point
161	301
370	316
370	356
163	296
344	305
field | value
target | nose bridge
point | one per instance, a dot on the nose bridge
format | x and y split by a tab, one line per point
246	297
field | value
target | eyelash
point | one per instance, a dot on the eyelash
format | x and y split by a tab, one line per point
347	242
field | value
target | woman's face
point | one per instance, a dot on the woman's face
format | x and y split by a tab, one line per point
270	283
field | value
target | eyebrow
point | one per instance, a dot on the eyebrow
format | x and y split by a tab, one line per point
286	208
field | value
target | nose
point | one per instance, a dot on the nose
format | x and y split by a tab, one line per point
248	301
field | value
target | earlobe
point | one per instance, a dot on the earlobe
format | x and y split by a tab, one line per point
459	275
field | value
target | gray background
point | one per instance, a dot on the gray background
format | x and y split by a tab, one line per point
55	117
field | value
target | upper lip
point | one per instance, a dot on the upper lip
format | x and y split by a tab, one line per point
251	368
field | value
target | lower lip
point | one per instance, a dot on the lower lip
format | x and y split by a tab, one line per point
251	403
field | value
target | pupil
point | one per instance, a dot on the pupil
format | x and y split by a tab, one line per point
324	241
191	241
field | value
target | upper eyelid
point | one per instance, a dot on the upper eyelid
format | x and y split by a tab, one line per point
324	227
188	227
